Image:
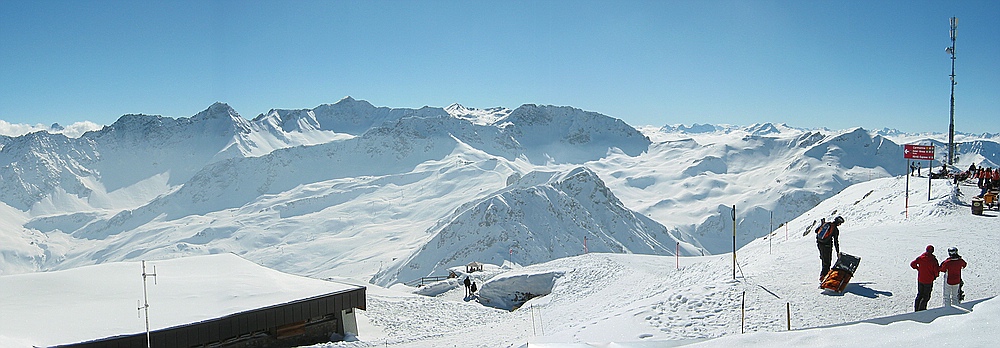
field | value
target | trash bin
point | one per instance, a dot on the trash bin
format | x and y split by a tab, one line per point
977	206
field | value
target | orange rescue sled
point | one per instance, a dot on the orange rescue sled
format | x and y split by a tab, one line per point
841	273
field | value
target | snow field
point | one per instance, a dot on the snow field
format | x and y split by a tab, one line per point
645	301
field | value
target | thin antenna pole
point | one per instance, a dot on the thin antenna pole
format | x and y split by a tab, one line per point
145	298
951	126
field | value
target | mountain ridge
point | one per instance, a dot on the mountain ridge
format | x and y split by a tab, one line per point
322	182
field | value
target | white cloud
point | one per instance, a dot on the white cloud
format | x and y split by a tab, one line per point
74	130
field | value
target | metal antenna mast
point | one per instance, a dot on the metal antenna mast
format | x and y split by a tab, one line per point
951	126
145	299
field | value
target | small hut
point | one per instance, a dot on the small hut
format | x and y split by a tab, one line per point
473	267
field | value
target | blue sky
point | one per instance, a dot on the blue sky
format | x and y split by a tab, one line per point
835	64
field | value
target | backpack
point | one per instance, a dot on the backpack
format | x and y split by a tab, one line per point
824	232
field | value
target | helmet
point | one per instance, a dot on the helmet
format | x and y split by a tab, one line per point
953	251
930	248
838	220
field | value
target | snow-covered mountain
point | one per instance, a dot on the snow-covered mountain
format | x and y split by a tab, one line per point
538	217
350	188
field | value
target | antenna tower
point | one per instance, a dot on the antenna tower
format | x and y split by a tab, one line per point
951	126
145	299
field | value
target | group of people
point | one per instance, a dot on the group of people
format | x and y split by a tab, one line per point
915	167
470	287
928	270
927	266
986	178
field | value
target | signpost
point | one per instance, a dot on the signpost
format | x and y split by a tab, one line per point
917	152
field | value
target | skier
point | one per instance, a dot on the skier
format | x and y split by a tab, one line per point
473	288
927	270
952	268
828	237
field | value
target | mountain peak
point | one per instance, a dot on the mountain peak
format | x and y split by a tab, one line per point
217	110
477	116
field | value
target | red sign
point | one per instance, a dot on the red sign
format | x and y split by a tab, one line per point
918	152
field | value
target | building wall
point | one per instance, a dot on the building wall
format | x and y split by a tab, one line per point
319	318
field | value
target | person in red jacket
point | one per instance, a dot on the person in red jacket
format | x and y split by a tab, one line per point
927	270
952	268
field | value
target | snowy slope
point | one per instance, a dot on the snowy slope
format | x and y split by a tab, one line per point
95	302
689	182
646	301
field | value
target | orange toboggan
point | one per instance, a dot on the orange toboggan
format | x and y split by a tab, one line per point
840	275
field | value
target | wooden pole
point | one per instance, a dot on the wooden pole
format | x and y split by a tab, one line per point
788	314
743	313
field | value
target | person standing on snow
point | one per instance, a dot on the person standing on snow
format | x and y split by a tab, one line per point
952	268
927	270
468	283
828	237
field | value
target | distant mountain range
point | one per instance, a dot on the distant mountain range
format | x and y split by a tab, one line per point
387	194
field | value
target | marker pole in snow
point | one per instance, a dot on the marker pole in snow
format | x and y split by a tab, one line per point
677	255
906	201
929	180
733	214
788	314
145	299
743	313
533	331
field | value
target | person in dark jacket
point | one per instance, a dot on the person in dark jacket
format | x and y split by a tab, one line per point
927	270
828	237
952	268
468	284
